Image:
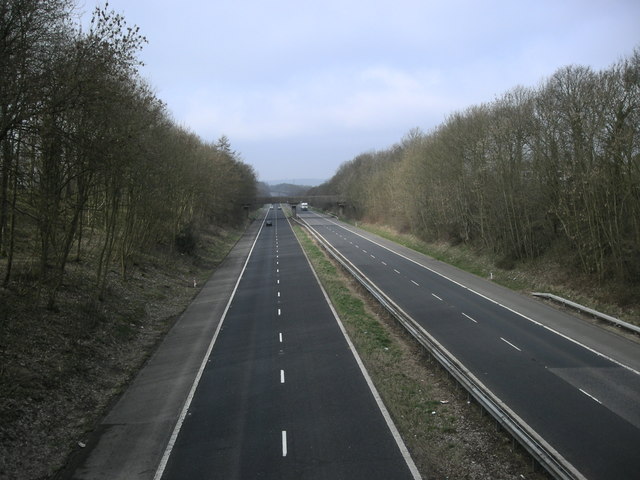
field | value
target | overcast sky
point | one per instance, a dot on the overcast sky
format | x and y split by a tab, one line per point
301	87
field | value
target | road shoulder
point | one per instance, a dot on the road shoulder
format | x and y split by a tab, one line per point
605	342
137	428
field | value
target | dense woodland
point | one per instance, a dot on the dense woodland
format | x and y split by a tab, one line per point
91	163
553	169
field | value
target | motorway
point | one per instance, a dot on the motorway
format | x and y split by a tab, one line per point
281	394
579	391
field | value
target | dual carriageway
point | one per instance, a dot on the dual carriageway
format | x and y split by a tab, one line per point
278	391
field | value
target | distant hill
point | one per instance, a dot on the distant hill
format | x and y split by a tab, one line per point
285	188
264	190
288	189
308	182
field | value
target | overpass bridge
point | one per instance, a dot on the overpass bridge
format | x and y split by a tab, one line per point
313	200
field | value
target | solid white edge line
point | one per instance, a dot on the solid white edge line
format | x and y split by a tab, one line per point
187	403
547	327
577	475
385	413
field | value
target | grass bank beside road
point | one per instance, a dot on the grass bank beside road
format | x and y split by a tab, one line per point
621	300
61	369
448	437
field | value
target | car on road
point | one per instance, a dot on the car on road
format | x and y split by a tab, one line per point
268	223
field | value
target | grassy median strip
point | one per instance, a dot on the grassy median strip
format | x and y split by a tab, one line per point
448	437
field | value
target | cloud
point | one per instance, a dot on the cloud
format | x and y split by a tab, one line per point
367	99
325	80
386	96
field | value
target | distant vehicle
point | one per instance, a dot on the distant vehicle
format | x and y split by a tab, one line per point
304	206
268	223
279	207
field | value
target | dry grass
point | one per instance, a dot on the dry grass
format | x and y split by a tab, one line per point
545	274
448	436
61	369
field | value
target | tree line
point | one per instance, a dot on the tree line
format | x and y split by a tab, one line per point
90	158
551	168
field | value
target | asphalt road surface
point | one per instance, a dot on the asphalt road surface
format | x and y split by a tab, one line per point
578	388
281	395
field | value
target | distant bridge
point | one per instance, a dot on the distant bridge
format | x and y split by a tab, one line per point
294	200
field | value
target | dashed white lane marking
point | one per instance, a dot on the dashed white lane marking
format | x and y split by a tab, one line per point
376	395
536	322
372	256
474	321
278	281
284	443
590	396
278	294
384	263
396	271
281	376
185	408
364	251
415	283
279	312
280	337
277	270
510	344
434	295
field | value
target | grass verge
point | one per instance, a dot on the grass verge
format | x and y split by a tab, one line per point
448	436
60	370
540	275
